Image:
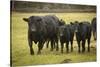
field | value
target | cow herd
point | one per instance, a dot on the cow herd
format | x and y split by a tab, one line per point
49	29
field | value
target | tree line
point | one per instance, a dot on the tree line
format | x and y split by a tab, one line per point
25	6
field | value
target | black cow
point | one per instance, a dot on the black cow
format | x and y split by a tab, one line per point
60	23
65	37
83	33
72	30
41	28
52	31
94	28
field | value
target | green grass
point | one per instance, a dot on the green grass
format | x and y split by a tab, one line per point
20	48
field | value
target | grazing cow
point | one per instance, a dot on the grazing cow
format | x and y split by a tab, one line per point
41	28
83	33
94	28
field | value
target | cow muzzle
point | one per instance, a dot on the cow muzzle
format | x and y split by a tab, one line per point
33	30
61	34
76	31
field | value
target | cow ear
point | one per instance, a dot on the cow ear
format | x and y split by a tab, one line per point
80	23
61	19
76	21
71	23
26	19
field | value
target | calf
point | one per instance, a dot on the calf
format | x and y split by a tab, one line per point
64	36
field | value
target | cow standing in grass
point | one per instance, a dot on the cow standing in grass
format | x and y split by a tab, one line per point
83	33
66	36
60	23
94	28
41	28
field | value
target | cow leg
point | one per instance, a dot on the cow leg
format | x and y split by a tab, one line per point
62	45
51	45
47	44
83	45
57	48
40	46
71	45
94	35
67	46
78	46
31	49
89	45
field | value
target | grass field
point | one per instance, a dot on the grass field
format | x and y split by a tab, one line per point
20	49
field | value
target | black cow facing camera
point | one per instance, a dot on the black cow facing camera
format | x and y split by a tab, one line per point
66	36
42	29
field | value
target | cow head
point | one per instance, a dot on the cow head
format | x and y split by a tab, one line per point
62	30
61	22
34	23
76	26
71	23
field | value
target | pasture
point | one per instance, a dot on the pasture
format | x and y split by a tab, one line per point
20	49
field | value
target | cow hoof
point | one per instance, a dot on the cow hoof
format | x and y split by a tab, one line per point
32	53
39	53
88	50
57	49
51	50
67	51
62	52
71	50
83	51
79	52
95	39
